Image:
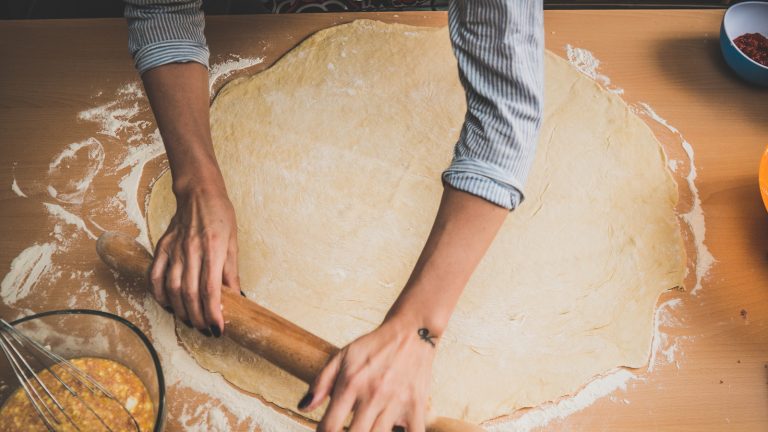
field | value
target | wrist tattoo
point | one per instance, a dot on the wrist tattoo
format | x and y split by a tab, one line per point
426	337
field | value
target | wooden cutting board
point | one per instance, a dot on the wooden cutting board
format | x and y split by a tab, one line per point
53	70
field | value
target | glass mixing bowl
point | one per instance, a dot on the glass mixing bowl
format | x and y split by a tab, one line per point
89	333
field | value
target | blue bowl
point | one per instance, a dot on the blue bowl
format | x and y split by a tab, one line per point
740	18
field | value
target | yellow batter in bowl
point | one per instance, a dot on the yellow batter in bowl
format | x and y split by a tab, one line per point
132	410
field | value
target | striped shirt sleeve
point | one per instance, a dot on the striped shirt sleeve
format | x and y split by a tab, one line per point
165	31
499	48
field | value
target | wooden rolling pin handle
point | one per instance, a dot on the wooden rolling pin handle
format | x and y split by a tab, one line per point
281	342
278	340
293	349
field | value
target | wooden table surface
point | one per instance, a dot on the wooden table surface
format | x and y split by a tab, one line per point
53	70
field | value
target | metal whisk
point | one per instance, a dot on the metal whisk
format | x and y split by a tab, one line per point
20	350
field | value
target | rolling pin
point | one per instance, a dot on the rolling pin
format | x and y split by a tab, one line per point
281	342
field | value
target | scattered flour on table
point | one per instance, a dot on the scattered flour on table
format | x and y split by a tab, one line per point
69	177
135	159
17	190
664	350
181	369
113	118
224	69
118	116
140	142
75	188
206	417
59	212
119	119
145	144
548	412
132	90
588	64
15	184
695	217
664	347
25	271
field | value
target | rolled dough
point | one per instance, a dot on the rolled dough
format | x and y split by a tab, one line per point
332	158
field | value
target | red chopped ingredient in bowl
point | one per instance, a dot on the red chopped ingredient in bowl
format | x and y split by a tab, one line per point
755	46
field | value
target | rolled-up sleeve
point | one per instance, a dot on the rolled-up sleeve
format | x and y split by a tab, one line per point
165	31
499	48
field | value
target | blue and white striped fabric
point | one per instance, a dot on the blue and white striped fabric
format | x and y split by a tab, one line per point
165	31
499	48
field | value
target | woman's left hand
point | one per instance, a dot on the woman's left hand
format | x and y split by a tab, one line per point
382	376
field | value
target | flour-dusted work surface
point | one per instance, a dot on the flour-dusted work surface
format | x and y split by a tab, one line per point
78	156
337	210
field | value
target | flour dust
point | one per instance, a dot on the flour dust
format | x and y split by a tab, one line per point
124	140
665	348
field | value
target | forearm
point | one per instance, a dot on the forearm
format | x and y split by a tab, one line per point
464	228
178	93
498	45
168	45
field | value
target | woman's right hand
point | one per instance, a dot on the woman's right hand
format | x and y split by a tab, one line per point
196	255
198	251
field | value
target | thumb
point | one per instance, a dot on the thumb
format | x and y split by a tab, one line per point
322	386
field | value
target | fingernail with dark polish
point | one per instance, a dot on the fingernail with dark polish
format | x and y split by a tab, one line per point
168	309
306	400
242	293
215	330
187	323
206	332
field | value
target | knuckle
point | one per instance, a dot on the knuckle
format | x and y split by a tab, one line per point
209	251
212	237
202	294
188	296
210	288
380	386
173	287
327	373
157	279
175	255
354	381
351	353
404	397
166	244
162	244
192	240
212	278
188	247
